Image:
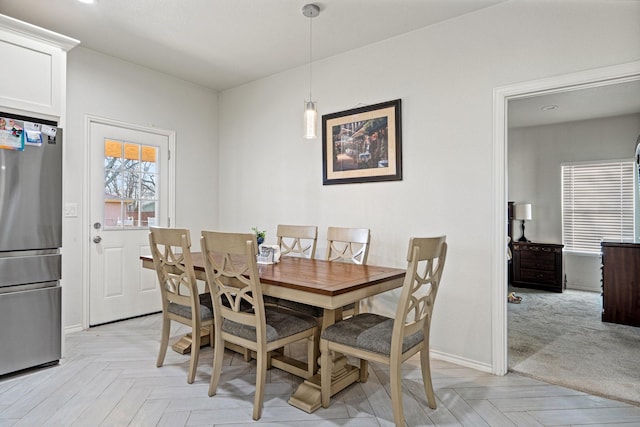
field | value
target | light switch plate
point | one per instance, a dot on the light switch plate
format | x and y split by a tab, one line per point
70	210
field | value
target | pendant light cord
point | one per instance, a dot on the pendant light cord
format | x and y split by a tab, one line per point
310	54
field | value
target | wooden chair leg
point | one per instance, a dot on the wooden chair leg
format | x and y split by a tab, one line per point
325	373
164	341
312	360
395	380
356	308
261	378
195	352
364	370
218	355
269	358
277	352
426	377
316	348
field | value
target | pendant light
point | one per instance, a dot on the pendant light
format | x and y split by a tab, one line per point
310	108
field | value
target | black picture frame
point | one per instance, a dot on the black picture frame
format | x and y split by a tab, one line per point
363	144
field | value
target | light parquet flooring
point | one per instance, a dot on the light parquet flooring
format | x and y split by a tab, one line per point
108	378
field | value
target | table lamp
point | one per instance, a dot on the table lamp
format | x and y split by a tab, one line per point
522	212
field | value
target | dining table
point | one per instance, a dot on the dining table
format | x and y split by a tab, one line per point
324	284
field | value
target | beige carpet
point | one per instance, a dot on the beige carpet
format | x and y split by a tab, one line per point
560	338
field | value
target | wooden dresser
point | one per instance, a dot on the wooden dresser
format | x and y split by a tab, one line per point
621	283
538	266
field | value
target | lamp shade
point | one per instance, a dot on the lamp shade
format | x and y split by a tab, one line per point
522	211
310	120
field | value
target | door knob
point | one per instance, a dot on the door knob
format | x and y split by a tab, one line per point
97	239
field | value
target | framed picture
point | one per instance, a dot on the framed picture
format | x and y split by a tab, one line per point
362	145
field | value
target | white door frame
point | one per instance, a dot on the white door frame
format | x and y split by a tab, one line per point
86	232
581	80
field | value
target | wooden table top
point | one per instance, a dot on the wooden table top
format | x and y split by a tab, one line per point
314	275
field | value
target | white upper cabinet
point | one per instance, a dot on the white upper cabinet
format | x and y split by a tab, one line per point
34	68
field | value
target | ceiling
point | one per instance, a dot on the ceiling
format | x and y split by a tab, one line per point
225	43
578	104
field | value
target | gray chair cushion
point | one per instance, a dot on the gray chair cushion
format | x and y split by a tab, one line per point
281	323
270	300
309	310
370	332
206	308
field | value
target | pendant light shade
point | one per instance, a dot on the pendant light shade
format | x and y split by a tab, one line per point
310	120
310	108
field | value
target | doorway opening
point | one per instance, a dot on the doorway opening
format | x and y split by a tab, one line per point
573	82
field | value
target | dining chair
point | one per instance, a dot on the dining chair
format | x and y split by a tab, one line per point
393	340
343	245
297	240
181	300
234	281
348	244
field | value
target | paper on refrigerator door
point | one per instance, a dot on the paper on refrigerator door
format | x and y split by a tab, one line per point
11	134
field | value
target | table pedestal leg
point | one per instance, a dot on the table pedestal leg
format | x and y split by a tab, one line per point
308	397
183	345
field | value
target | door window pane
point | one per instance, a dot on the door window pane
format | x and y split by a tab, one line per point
148	186
130	184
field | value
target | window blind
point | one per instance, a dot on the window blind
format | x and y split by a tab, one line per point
597	203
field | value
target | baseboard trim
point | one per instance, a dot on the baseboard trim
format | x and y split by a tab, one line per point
72	329
583	288
467	363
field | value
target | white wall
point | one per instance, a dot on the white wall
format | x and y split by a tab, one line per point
535	156
107	87
445	76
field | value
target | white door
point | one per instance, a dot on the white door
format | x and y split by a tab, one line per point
129	191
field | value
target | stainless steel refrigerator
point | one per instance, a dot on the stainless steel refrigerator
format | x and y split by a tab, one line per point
30	241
